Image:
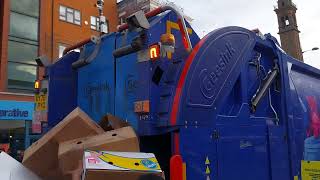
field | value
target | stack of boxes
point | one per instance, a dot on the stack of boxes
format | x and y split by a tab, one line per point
78	148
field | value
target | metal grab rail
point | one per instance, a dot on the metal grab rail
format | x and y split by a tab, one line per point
159	10
75	46
181	20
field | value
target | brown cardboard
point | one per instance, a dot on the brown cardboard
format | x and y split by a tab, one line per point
121	175
71	152
110	122
42	156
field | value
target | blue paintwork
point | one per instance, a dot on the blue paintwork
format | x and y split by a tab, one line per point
214	117
217	97
134	80
62	95
96	81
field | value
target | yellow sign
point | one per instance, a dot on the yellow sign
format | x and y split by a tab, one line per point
40	102
172	25
310	170
138	164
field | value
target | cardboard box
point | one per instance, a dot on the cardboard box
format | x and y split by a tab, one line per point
110	122
42	156
71	152
101	165
11	169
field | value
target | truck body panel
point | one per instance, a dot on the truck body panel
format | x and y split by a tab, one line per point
201	104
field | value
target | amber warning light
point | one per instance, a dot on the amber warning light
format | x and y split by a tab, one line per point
154	52
37	84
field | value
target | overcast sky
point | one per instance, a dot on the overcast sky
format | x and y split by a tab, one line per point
211	14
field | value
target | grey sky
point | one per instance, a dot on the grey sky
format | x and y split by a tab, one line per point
211	14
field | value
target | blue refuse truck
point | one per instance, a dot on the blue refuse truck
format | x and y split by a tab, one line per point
231	105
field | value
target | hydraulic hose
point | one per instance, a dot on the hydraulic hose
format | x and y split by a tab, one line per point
181	20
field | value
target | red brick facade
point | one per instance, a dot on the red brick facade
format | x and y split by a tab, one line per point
55	31
52	31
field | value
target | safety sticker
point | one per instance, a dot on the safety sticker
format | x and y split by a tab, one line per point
207	170
207	163
310	170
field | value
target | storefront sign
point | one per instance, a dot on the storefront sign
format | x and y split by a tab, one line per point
16	110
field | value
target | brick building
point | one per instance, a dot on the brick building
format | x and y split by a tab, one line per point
68	21
28	29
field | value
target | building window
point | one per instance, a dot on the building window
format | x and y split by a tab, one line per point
287	22
95	23
27	7
122	20
69	15
23	26
23	45
21	76
62	47
26	52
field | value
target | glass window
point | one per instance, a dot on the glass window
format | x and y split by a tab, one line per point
69	10
62	11
107	26
93	20
95	23
23	26
62	18
122	20
28	7
69	15
23	44
77	22
27	41
61	49
21	76
21	52
77	15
